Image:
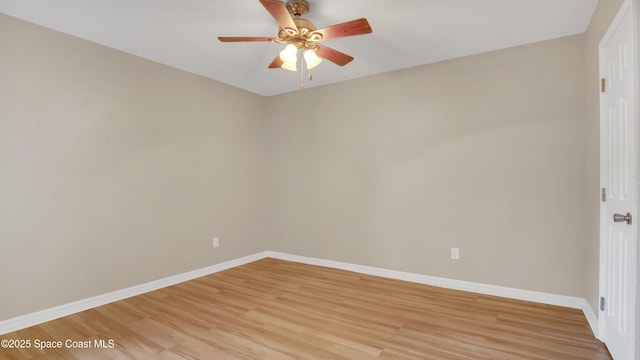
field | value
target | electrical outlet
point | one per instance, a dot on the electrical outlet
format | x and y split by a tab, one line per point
455	253
216	242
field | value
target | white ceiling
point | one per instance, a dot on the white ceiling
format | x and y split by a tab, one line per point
406	33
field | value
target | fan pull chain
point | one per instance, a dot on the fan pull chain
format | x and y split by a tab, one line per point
301	73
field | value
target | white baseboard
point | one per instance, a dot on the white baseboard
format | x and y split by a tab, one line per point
512	293
24	321
591	318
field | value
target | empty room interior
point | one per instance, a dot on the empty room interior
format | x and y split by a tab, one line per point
437	201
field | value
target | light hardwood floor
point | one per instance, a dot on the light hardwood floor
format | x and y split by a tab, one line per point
274	309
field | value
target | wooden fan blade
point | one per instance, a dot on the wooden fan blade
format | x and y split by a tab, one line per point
242	39
334	56
276	63
349	28
279	11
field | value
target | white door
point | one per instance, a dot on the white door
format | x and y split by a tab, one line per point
618	177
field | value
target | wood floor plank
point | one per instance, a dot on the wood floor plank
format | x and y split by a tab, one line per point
275	309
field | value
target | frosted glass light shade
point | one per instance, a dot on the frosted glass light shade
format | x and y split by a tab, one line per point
291	66
289	57
312	59
289	54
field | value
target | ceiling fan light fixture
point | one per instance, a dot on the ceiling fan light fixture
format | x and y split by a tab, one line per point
311	58
301	34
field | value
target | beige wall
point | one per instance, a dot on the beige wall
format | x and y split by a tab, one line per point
484	153
115	171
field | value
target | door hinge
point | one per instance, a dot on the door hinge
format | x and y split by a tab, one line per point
602	303
603	84
604	194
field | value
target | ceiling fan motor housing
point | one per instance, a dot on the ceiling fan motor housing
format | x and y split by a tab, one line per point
297	8
304	24
302	37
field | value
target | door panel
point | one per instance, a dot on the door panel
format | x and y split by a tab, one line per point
618	142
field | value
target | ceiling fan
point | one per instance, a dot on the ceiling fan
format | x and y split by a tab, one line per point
301	34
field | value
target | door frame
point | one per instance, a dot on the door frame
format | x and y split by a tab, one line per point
628	5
